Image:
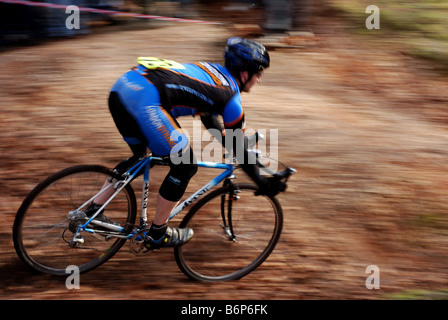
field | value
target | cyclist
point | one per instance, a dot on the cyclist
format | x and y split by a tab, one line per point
145	102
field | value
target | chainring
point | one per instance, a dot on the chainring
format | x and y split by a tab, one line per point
136	244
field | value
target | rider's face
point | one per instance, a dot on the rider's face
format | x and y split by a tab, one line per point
256	78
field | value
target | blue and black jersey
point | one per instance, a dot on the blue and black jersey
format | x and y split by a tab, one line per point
157	90
198	88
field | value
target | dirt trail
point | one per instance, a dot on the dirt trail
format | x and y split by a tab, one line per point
364	125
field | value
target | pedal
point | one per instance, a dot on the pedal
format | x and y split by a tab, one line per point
136	244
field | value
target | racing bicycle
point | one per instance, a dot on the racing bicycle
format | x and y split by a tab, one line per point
235	229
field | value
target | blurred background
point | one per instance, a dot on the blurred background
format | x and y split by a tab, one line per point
420	26
21	23
361	113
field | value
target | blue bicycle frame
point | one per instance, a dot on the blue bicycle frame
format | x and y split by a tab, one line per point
144	164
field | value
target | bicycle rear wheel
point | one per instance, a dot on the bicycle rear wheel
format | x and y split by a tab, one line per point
42	228
212	254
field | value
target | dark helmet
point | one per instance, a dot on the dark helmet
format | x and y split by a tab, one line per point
245	55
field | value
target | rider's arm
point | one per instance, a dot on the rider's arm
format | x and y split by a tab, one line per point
213	125
234	123
233	138
233	118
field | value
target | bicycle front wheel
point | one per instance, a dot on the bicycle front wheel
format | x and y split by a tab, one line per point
42	229
229	246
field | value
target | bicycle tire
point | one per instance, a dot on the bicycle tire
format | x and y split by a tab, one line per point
40	230
211	255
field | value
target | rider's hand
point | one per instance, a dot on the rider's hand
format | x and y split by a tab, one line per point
270	186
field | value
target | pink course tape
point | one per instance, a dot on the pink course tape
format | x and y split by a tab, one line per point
102	11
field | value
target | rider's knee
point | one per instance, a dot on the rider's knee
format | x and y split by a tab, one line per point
176	182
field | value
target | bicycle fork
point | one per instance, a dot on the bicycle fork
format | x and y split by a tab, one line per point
227	225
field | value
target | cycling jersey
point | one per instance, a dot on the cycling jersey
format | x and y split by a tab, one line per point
197	88
155	95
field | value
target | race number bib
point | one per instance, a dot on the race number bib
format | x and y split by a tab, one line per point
155	63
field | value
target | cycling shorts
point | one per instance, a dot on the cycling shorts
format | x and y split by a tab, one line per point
137	111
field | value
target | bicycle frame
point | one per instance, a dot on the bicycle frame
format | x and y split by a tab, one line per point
145	164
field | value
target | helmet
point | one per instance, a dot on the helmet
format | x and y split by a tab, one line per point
245	55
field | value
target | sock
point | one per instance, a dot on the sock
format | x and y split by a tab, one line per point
156	231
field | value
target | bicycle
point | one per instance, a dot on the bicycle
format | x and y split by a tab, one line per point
234	229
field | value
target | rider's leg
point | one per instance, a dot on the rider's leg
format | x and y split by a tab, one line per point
152	124
165	138
108	189
138	151
128	128
163	211
171	191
